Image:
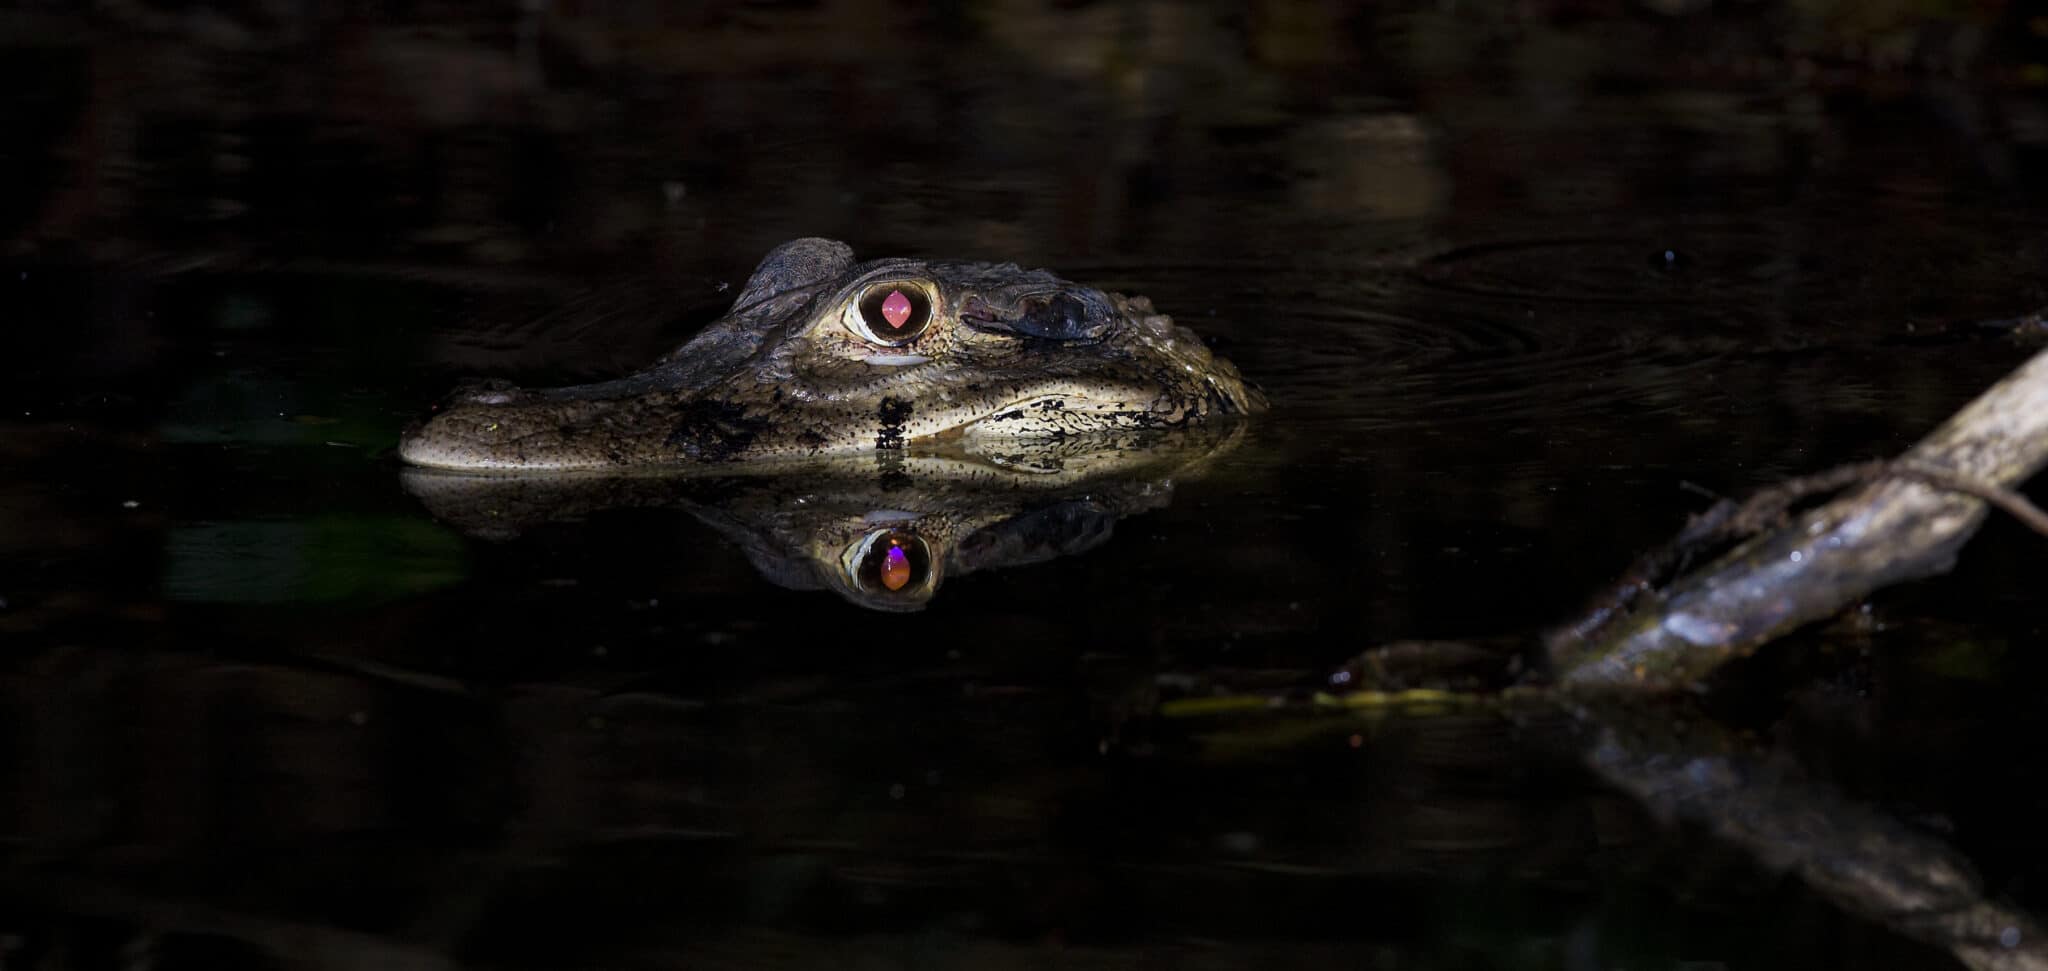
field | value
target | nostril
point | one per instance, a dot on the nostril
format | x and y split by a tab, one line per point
1063	317
1072	313
493	392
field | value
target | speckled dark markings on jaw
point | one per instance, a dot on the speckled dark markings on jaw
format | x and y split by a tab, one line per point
714	431
894	414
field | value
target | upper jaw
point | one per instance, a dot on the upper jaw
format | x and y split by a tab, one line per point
499	427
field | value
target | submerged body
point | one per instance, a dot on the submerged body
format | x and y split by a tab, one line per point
824	356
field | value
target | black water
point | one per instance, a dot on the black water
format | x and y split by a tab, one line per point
1524	292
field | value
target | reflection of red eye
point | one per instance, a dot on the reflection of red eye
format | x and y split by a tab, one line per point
893	561
894	314
895	567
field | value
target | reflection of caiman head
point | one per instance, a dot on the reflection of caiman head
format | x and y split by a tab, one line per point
824	356
882	531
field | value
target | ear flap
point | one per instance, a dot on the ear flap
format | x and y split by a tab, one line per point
793	268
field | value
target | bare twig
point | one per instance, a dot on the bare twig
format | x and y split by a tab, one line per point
1728	521
1907	521
2005	500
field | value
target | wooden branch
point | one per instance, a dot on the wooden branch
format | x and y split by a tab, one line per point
1905	525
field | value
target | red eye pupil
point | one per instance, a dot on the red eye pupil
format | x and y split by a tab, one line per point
896	309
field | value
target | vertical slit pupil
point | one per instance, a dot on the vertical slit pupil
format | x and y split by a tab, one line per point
897	561
896	309
895	567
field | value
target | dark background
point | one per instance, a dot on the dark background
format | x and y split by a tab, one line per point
1525	282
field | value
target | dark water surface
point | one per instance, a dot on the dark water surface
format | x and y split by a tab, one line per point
1524	293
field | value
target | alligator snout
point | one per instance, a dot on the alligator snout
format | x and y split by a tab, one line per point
496	425
1066	315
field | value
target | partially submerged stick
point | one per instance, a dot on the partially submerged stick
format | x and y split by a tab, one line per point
1847	851
1899	528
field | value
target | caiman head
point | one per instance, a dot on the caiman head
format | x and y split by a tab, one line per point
823	356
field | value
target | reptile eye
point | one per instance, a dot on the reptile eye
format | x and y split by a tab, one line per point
892	313
892	561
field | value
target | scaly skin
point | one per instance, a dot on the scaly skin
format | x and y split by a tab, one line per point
1009	355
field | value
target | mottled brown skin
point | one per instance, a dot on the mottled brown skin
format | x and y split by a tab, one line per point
1010	354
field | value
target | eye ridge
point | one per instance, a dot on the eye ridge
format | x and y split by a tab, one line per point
893	312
